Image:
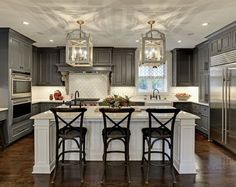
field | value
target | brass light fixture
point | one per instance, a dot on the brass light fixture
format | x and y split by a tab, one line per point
79	48
153	47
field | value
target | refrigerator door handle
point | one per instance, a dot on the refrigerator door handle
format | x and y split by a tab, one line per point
223	106
227	102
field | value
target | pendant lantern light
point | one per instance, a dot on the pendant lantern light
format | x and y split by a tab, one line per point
79	47
153	47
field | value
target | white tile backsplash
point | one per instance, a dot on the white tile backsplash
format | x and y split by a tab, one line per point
41	93
89	84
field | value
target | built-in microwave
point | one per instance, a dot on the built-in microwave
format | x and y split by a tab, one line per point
20	84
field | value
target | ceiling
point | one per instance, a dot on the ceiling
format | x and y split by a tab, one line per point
117	23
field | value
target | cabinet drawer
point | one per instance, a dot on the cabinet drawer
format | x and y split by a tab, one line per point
3	115
21	127
196	109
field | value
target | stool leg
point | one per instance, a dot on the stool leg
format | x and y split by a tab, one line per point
81	162
149	159
163	155
84	154
56	163
104	159
127	159
63	151
143	151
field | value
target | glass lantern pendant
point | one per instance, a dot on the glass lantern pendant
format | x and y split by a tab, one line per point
153	50
79	48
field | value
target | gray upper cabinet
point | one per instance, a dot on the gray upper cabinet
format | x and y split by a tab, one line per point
123	73
102	56
47	72
223	40
182	67
62	55
35	67
203	56
20	52
195	67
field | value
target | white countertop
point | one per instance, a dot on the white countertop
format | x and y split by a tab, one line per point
93	113
3	109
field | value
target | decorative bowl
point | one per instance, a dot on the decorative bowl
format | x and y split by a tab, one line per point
182	97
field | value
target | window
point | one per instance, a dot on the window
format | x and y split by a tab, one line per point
150	78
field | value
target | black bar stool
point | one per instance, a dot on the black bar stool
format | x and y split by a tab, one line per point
69	132
119	130
155	134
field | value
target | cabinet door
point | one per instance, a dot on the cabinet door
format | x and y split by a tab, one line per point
184	67
35	67
55	76
123	67
234	39
26	62
204	124
102	56
44	70
62	55
225	42
195	67
15	53
204	87
214	49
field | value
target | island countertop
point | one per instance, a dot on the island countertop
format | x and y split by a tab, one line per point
93	113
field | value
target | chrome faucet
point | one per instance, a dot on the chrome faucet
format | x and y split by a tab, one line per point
157	96
77	96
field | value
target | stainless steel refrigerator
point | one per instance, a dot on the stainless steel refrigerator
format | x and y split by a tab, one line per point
223	100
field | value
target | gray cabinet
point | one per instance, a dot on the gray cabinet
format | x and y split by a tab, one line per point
45	106
182	67
20	52
102	56
35	67
123	73
203	63
223	40
48	74
195	67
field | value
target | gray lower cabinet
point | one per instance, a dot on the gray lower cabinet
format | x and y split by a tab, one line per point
21	129
45	106
123	73
202	111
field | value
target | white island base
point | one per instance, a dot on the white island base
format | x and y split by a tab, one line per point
44	141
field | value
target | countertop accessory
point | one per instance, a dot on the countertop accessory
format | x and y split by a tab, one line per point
79	47
116	101
153	45
182	96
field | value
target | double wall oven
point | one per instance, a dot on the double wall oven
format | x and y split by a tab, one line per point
20	104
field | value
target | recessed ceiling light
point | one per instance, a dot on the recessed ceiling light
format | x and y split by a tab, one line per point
205	24
179	41
137	41
25	23
50	40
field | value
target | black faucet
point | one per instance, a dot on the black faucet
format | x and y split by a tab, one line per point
157	96
77	96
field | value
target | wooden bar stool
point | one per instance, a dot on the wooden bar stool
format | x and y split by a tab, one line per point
72	133
162	133
118	130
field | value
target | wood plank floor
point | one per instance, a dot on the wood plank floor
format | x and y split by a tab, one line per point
215	167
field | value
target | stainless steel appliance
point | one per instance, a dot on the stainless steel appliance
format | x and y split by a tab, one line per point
21	109
20	84
223	99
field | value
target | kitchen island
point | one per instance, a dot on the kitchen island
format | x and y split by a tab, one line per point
44	139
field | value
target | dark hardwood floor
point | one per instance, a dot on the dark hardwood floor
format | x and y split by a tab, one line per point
215	167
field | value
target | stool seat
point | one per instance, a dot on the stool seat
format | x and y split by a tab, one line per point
157	132
69	133
116	132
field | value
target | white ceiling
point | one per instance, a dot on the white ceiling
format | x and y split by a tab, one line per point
117	23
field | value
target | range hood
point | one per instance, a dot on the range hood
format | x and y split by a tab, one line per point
86	69
66	69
